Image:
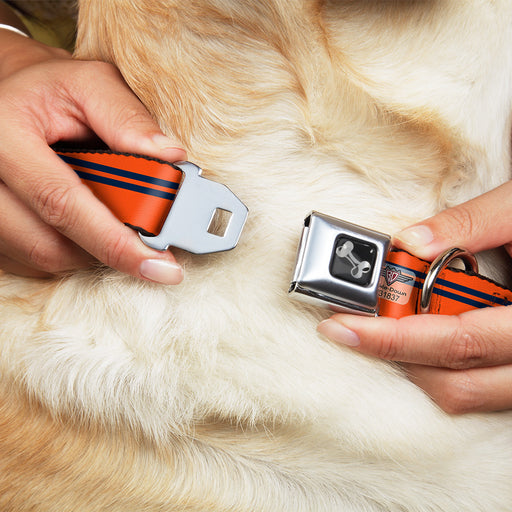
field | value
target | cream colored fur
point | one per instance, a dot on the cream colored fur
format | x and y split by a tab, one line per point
218	395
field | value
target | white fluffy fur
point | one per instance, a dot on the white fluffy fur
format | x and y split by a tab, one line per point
381	113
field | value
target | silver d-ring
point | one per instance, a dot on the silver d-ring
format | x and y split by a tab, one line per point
437	265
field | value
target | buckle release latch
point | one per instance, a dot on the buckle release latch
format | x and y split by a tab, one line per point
339	265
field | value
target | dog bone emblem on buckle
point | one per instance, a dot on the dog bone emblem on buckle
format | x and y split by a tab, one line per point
189	219
339	265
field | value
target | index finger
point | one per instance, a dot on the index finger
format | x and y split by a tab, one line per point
476	338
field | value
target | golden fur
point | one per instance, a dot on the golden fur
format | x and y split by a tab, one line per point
217	394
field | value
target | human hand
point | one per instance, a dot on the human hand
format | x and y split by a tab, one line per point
49	221
463	362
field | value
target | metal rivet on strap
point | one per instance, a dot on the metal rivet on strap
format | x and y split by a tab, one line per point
437	265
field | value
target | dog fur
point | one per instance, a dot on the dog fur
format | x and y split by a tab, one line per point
217	394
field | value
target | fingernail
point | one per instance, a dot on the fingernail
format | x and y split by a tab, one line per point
416	236
338	333
161	271
164	143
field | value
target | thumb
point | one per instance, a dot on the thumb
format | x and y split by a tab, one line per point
119	118
476	225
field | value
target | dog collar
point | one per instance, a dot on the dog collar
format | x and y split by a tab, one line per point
351	269
340	265
169	204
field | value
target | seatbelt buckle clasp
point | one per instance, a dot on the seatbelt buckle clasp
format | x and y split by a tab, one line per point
188	223
339	265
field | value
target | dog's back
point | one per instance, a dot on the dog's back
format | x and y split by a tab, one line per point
217	394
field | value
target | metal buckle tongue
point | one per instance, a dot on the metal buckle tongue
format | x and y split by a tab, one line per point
339	264
189	219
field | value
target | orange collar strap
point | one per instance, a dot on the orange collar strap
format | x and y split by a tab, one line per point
142	193
453	291
138	190
169	204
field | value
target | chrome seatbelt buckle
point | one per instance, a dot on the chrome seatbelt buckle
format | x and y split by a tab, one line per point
188	224
339	265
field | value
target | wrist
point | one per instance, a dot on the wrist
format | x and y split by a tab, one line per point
11	28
